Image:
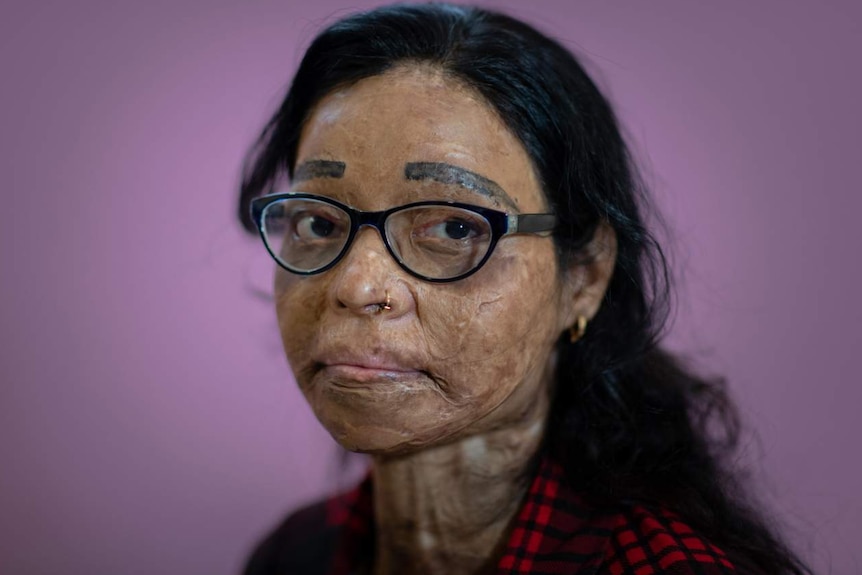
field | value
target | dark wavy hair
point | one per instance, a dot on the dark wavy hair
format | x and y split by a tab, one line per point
630	422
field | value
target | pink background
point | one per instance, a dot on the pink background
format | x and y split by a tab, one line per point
148	422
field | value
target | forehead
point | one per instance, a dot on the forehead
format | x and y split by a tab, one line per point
413	114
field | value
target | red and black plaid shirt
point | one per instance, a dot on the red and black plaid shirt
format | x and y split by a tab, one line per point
556	532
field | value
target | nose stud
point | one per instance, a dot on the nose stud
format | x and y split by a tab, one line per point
384	306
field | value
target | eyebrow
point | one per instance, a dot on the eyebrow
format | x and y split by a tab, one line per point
450	174
319	169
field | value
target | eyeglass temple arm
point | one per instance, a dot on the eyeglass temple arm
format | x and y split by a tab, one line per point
531	223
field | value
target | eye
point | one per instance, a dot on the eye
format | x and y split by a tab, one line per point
315	226
453	229
311	226
458	230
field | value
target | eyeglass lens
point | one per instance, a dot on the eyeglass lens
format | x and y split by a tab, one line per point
437	242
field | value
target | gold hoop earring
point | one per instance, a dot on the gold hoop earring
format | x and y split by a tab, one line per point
577	331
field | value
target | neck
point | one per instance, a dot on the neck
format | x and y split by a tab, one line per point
448	509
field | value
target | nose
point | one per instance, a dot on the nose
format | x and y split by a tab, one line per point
368	278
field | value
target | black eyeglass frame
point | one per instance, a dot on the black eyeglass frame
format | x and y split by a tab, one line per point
501	224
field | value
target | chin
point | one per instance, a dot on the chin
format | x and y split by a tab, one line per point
383	420
374	441
382	436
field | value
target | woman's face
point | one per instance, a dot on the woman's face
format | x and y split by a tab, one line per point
447	360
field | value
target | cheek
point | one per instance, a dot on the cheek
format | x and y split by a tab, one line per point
499	327
298	307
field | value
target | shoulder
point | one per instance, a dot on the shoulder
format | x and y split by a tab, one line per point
303	543
647	541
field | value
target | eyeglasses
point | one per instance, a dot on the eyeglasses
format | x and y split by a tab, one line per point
435	241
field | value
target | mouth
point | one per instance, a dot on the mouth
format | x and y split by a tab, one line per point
347	373
360	362
349	368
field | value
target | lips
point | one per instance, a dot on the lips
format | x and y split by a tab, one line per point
376	364
361	374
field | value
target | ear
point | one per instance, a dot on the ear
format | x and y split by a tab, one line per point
587	279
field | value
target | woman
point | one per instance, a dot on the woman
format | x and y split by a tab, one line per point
493	343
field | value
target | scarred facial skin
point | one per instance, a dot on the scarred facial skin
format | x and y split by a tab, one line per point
449	389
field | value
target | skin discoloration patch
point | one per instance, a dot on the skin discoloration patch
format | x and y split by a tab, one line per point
475	447
427	540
